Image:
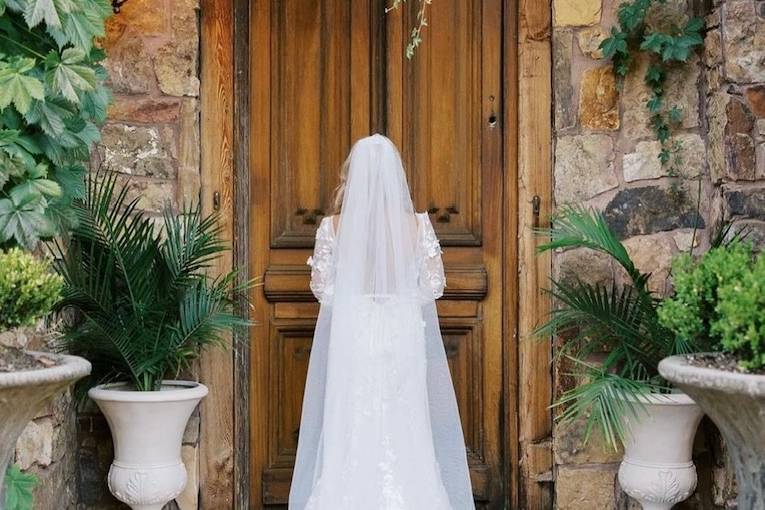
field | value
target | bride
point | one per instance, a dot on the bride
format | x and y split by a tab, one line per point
380	428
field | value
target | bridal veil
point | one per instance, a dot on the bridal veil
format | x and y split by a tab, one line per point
380	423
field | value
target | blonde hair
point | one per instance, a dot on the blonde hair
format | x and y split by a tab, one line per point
337	200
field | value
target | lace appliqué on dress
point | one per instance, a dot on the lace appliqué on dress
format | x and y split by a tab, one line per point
432	278
322	262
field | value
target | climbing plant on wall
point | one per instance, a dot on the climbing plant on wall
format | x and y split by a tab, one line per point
667	46
52	100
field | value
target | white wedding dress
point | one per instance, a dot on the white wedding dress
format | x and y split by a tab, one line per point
380	428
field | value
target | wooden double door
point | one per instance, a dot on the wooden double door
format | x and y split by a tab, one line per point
323	74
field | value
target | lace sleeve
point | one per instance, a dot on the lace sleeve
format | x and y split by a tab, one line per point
322	263
432	280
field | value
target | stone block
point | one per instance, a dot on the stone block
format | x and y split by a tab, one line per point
599	99
681	90
746	202
150	111
569	446
685	239
129	64
653	254
752	231
743	42
583	167
35	445
571	13
589	40
176	63
583	264
756	97
648	210
565	115
590	487
146	151
147	17
713	48
153	196
644	162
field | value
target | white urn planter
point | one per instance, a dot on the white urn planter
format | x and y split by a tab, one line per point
23	395
657	469
736	404
147	431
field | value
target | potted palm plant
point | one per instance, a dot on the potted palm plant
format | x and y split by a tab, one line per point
719	302
622	394
141	308
28	380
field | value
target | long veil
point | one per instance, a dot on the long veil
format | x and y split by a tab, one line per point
379	396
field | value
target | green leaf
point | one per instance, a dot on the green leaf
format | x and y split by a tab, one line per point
19	488
17	87
2	7
71	179
49	116
94	105
617	43
24	222
35	188
66	75
81	27
694	24
49	11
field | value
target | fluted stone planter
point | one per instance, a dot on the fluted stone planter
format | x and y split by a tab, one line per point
657	469
147	431
23	394
736	403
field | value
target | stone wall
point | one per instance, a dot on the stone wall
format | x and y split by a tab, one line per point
606	157
152	138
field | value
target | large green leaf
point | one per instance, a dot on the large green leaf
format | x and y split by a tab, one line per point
25	222
67	75
17	87
19	488
49	11
81	27
49	115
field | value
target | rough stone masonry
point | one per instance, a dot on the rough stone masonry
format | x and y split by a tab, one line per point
606	157
152	137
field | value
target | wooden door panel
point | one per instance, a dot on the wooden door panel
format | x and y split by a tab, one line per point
436	117
331	72
317	109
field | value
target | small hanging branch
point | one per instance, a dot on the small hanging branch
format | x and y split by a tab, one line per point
422	22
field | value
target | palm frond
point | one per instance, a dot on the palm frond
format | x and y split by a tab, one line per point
579	227
605	399
138	303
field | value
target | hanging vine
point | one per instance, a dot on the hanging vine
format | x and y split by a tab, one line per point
415	38
667	47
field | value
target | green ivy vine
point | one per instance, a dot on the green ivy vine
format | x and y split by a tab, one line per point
52	100
667	48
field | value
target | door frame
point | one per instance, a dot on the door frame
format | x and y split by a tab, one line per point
225	101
